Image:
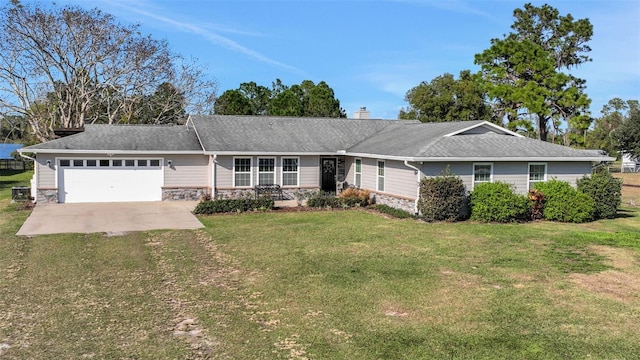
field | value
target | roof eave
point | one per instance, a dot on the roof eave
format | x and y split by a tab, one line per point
489	158
274	153
124	152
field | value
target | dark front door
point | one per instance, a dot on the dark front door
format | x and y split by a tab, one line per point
328	175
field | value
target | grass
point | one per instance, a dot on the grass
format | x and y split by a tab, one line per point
323	285
11	178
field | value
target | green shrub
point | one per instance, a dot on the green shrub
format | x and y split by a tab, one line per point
395	212
324	200
208	207
605	190
443	198
564	203
498	202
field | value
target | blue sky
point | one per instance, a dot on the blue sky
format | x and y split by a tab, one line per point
372	52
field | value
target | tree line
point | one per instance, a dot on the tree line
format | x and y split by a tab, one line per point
306	99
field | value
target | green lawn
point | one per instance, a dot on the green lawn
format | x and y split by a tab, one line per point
324	285
11	178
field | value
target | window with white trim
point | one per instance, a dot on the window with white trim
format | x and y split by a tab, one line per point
290	171
242	172
380	182
537	173
357	181
266	171
482	173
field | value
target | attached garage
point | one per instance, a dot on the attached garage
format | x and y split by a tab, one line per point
109	180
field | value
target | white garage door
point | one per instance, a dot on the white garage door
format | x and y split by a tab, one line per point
109	180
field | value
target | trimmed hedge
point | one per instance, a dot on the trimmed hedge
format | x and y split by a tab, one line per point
208	207
395	212
443	198
564	203
605	190
324	200
498	202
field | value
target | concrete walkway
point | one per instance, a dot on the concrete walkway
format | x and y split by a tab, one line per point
110	217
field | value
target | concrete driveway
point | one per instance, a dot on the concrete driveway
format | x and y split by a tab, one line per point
110	217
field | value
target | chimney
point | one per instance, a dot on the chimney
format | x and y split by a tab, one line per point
363	113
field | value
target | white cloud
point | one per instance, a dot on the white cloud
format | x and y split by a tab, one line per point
206	31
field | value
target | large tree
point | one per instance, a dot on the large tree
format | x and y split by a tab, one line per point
613	114
447	99
523	71
67	66
628	134
306	99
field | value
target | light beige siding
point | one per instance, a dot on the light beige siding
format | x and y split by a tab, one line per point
350	170
46	174
400	180
224	172
369	173
186	171
309	169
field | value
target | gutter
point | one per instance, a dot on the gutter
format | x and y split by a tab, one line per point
419	176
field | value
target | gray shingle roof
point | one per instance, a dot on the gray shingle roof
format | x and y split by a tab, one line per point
498	146
427	142
232	134
405	138
400	139
126	138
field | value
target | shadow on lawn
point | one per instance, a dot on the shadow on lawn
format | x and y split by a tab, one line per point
625	214
9	172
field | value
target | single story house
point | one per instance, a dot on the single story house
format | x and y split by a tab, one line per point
227	156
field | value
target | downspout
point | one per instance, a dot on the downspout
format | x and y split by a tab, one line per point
214	163
418	178
34	180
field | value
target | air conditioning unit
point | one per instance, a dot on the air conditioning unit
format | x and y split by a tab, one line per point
20	193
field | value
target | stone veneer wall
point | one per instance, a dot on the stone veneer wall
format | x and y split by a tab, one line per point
396	202
47	196
190	193
233	193
287	193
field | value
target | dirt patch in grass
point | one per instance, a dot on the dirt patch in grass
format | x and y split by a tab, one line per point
630	188
628	178
459	297
622	284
